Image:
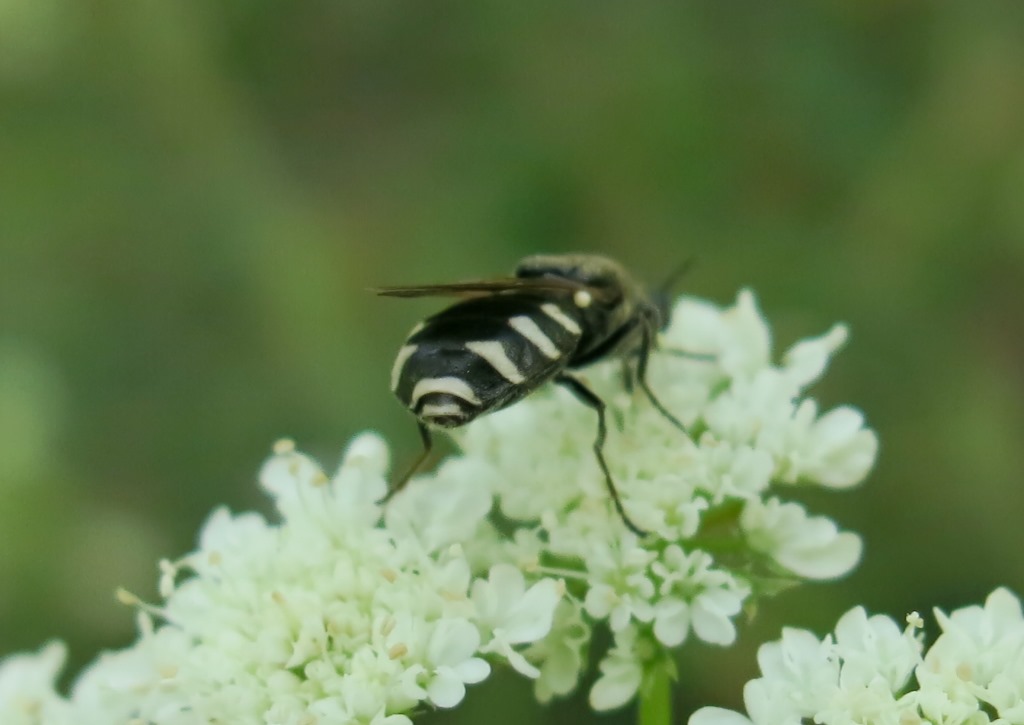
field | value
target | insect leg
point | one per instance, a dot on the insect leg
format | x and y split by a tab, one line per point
398	485
589	398
646	342
627	376
696	356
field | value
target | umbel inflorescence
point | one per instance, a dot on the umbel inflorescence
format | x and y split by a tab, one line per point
509	555
872	672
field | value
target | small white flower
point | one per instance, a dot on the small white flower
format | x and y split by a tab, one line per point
721	716
622	589
806	361
621	673
834	450
737	337
441	509
799	675
514	614
106	690
725	471
695	594
979	658
751	408
672	621
811	547
874	647
561	653
27	693
450	651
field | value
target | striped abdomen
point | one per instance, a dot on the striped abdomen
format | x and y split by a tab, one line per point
482	355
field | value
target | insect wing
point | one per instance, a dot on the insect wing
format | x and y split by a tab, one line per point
484	287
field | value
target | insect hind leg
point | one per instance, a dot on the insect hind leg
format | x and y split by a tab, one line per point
689	354
428	444
589	398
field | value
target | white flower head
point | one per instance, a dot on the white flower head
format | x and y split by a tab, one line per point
341	609
978	661
327	616
750	426
871	671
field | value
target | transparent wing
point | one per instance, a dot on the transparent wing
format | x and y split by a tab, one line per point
484	287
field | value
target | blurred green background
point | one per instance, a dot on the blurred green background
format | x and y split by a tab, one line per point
194	197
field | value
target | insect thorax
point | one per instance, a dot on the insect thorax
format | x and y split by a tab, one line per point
614	305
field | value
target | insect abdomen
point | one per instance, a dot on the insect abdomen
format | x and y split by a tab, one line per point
482	355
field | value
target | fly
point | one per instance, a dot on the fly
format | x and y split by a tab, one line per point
509	336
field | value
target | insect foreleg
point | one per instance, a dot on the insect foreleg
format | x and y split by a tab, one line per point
646	342
589	398
398	485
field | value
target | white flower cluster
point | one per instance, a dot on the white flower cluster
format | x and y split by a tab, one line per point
324	618
334	616
719	533
872	673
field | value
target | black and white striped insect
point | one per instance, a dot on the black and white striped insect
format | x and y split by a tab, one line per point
509	336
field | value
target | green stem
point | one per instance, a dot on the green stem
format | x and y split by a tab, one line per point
656	698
